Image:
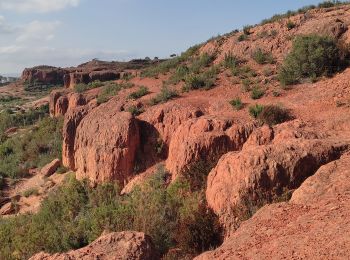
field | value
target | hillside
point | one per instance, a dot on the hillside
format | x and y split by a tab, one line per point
236	149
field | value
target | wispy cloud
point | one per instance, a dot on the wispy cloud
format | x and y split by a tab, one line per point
4	27
37	6
37	30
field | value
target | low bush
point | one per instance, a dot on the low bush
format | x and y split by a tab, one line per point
246	29
76	214
30	192
34	148
243	37
255	110
165	94
142	91
82	87
273	115
108	91
263	57
230	61
257	93
290	25
236	103
311	56
135	111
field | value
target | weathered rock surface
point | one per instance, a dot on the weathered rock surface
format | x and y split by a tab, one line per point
72	120
157	127
330	181
313	225
44	74
243	181
204	139
61	101
114	246
7	209
50	168
105	144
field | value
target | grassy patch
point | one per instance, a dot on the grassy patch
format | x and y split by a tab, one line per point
142	91
165	95
236	103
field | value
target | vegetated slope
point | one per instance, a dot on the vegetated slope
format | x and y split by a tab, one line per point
233	135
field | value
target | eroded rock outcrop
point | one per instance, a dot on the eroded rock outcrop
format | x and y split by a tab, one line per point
244	181
157	127
114	246
105	144
44	74
204	139
72	120
310	226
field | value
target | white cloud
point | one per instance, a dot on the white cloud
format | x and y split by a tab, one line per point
4	27
37	31
38	6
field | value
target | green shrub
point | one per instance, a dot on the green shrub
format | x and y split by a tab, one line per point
236	103
32	149
257	93
273	115
242	38
76	214
312	56
179	75
201	62
135	111
263	57
142	91
246	29
22	119
290	25
109	91
30	192
165	94
230	61
255	110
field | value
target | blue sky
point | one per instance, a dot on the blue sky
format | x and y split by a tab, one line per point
69	32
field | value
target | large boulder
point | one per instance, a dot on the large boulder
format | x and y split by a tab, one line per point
157	126
114	246
71	121
204	139
50	168
105	144
244	181
313	225
330	180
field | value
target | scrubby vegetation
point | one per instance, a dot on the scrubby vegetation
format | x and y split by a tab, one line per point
165	94
257	93
236	103
273	115
255	110
142	91
39	87
263	57
34	148
135	111
8	118
76	214
82	87
111	89
312	56
303	10
167	65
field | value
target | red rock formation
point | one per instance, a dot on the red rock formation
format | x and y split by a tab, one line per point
205	138
311	226
50	168
158	125
105	144
123	245
72	120
243	181
44	74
